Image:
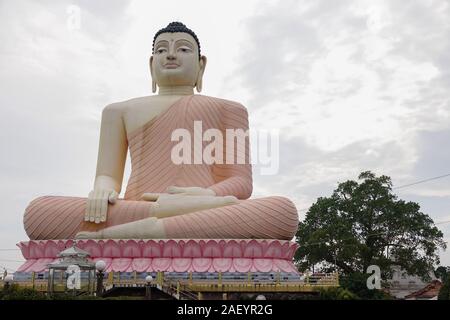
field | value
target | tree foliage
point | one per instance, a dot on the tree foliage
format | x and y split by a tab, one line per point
337	293
443	273
444	292
363	223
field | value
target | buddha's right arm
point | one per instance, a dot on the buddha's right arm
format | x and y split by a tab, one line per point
110	164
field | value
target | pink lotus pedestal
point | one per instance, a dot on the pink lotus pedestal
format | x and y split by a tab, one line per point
178	255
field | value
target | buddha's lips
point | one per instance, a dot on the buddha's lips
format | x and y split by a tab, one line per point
171	66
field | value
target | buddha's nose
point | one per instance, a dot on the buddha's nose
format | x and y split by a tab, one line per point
171	55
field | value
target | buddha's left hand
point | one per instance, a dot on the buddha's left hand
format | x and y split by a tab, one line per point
167	205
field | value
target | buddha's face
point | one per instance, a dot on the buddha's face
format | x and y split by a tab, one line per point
175	60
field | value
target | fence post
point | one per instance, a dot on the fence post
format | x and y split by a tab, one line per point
111	278
33	279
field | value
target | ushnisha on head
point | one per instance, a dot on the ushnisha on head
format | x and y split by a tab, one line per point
176	59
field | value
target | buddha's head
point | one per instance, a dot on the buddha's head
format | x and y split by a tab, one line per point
176	58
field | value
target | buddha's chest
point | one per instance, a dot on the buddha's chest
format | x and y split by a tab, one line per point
137	115
182	112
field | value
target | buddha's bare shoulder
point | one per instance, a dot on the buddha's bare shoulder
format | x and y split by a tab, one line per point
223	102
127	105
155	100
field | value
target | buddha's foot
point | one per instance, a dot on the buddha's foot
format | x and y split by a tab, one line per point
149	228
169	205
88	235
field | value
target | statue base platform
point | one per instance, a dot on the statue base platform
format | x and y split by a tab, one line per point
169	255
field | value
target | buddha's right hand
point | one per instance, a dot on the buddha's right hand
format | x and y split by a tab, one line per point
97	204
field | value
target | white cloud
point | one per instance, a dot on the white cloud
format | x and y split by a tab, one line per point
355	85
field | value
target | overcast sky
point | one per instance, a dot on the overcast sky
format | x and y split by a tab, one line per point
351	85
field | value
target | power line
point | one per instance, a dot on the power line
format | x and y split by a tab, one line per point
369	235
422	181
7	260
7	268
405	185
442	222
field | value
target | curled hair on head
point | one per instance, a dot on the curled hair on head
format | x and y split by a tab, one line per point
176	27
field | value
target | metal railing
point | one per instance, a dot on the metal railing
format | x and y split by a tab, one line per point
189	287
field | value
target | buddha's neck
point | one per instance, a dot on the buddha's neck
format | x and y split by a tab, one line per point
176	91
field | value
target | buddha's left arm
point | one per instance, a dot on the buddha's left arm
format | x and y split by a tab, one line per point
234	177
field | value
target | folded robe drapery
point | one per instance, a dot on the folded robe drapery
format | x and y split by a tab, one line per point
153	170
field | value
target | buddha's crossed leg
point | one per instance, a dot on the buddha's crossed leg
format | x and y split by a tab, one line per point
63	218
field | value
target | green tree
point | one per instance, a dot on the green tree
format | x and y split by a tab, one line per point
336	294
443	273
357	284
444	292
363	223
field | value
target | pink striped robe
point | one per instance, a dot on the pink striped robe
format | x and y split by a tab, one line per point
53	217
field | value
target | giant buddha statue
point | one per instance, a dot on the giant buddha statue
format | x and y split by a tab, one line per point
166	199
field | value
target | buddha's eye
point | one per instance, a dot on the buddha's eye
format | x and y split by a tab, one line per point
184	49
160	50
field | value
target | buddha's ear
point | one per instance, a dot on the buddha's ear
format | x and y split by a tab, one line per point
150	62
201	70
